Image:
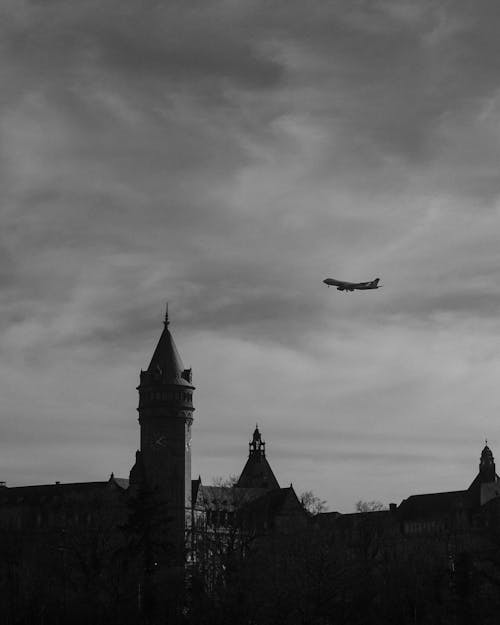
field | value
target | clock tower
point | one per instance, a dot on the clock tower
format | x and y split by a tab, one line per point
165	409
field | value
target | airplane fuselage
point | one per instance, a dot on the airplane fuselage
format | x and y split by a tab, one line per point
342	285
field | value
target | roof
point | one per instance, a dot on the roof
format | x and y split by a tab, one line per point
436	504
353	519
274	500
166	362
258	502
280	504
478	481
327	517
122	482
257	473
44	492
226	497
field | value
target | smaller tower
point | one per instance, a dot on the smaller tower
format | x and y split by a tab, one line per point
487	471
486	484
257	447
257	472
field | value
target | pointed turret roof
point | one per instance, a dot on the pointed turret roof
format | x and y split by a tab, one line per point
486	455
257	472
166	364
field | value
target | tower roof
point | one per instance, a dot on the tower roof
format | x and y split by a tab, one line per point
487	454
257	472
487	471
166	364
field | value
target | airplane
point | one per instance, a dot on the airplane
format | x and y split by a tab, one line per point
351	286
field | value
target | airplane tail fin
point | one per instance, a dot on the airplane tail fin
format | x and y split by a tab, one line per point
376	281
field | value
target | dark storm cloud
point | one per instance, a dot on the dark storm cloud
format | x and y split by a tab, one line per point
143	40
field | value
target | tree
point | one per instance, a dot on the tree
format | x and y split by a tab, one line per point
227	482
370	506
157	559
312	503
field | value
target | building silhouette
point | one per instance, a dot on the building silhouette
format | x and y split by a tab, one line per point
133	542
158	512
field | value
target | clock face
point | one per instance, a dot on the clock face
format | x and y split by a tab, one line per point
159	441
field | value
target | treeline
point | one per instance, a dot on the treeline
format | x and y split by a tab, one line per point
333	573
369	576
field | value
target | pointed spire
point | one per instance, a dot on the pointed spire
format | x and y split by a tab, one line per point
166	365
487	465
486	454
256	435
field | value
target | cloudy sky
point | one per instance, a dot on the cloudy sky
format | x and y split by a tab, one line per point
227	156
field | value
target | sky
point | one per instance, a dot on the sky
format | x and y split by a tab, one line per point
227	156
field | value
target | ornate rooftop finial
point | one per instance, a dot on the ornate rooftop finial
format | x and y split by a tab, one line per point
256	435
257	445
166	322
